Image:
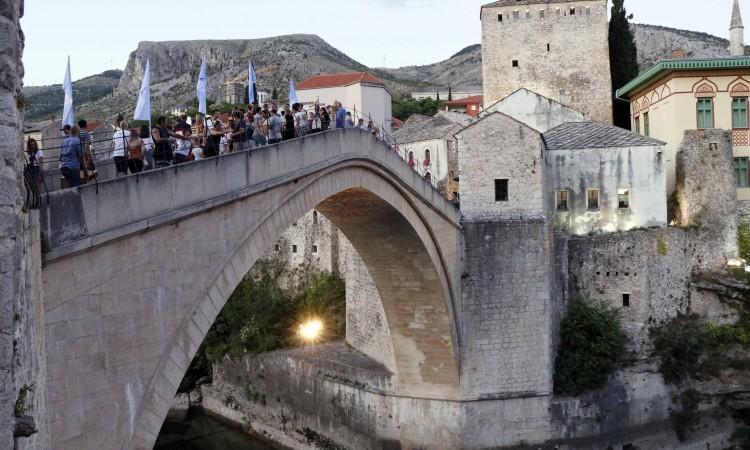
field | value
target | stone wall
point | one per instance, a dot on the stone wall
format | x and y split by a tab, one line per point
500	147
562	56
506	347
706	191
21	315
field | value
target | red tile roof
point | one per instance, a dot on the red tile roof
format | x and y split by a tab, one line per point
338	80
466	101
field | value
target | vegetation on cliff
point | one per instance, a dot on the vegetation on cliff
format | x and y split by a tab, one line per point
591	342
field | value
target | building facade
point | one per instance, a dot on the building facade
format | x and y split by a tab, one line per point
678	95
363	94
539	45
471	106
537	111
444	94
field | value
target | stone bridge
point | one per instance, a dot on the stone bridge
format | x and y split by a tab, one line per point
137	269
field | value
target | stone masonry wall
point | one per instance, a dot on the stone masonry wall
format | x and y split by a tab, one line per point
562	56
21	314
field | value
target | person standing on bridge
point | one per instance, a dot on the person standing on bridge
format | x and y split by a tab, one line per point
71	158
239	139
275	125
340	116
120	143
325	119
163	139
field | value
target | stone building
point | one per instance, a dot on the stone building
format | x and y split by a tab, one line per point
233	92
559	49
429	142
535	110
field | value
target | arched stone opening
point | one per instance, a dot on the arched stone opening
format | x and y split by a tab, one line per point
403	256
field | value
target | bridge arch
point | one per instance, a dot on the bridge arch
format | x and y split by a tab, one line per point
409	246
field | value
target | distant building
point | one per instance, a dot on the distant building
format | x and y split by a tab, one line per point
445	94
471	106
429	142
233	92
559	49
687	94
365	95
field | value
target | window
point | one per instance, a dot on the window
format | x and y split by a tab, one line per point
499	17
625	303
705	113
588	10
516	15
501	190
315	249
740	172
739	112
294	224
294	249
592	199
572	11
515	63
541	14
623	198
548	47
277	248
558	12
638	124
428	177
427	160
315	217
646	125
561	200
528	14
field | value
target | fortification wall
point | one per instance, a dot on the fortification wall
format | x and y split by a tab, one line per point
22	362
541	47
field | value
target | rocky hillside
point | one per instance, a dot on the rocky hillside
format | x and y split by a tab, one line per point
175	68
45	101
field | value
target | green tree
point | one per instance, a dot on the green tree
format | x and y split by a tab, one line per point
623	59
450	94
404	106
275	94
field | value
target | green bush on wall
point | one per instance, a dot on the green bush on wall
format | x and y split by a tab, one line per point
591	342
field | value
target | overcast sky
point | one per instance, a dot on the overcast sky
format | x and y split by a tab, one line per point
100	34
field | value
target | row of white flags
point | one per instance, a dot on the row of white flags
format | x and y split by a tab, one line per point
143	107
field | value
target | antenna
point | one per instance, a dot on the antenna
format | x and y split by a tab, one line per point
384	60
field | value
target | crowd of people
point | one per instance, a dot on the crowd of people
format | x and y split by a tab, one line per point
134	150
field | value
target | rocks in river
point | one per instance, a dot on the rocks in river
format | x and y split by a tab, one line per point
180	407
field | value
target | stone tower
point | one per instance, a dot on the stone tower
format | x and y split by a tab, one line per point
736	32
558	49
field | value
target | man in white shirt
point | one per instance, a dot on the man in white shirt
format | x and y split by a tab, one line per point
182	154
120	140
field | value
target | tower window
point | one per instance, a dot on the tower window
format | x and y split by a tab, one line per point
588	10
592	199
625	303
499	17
315	217
277	247
541	14
548	47
501	190
294	249
515	63
315	249
558	12
572	11
528	14
516	15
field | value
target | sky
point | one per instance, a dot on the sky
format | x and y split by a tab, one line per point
99	35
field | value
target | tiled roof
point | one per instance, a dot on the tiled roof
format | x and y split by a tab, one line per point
526	2
426	129
583	135
338	80
465	101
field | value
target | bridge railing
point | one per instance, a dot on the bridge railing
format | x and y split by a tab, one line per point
145	199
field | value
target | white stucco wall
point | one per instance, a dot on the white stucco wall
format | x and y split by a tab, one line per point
641	169
438	167
535	110
367	100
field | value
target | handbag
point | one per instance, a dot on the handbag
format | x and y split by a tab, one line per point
136	151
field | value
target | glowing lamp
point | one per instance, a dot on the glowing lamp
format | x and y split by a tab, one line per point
311	330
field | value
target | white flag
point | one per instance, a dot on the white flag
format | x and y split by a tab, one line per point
251	80
292	93
202	83
143	108
68	110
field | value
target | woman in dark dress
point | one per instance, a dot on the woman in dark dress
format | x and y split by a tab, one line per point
288	132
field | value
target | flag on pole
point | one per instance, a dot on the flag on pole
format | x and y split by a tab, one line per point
292	93
68	117
202	83
143	107
251	80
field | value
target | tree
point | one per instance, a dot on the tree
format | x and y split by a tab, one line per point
450	94
275	94
437	95
404	106
623	59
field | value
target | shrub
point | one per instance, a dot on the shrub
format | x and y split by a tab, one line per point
743	240
591	341
687	418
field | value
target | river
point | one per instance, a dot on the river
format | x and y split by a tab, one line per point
204	432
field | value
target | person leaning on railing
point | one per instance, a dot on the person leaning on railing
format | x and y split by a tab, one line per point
71	158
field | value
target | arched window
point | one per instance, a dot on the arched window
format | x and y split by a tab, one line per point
427	157
411	159
315	217
428	177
